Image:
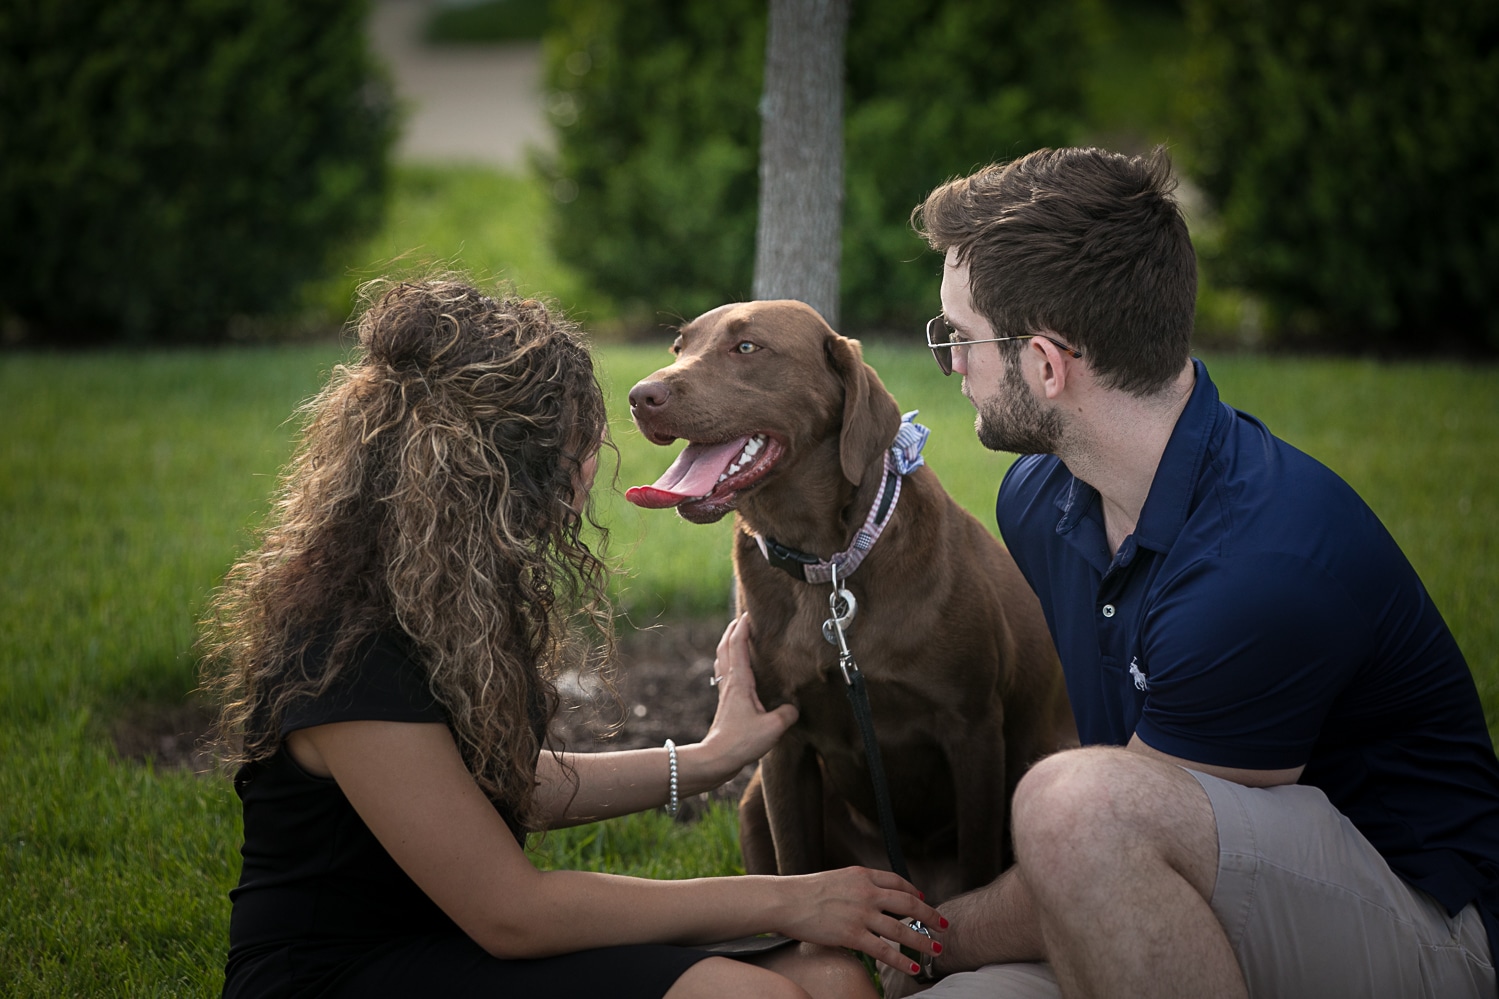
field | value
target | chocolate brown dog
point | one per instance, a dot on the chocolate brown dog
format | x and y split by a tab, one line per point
788	427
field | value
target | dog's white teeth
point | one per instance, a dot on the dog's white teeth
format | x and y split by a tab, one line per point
745	456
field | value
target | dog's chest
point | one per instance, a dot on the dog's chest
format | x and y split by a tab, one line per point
794	662
804	671
912	750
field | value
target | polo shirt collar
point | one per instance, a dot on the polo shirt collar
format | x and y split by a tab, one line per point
1175	483
1170	499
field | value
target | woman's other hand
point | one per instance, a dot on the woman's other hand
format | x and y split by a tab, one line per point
861	908
742	730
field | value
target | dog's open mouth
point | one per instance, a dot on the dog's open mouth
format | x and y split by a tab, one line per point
706	478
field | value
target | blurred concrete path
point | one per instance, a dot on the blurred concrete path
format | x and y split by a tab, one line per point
475	104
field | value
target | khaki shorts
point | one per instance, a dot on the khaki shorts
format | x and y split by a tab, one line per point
1311	909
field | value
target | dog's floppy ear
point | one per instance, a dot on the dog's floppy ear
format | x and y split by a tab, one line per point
870	415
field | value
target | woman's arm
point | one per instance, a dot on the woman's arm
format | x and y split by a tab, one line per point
409	785
603	785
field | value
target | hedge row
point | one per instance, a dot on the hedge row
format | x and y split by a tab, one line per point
1352	152
166	165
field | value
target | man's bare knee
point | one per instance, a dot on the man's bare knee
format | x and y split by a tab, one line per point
1069	793
1088	807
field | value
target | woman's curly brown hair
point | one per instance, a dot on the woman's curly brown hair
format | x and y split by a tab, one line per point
431	494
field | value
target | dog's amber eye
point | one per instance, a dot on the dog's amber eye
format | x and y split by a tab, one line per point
676	346
745	347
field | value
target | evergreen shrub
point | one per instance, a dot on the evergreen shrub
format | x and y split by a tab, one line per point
1350	149
486	22
166	165
656	175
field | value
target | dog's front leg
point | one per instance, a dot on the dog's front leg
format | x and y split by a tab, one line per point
756	847
792	784
977	764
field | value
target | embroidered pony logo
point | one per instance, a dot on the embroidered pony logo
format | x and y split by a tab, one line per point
1141	681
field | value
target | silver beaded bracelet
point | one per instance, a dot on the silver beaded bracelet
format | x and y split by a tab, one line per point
671	756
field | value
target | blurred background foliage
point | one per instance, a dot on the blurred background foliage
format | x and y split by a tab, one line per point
1351	152
169	168
210	169
1340	156
655	180
657	167
485	22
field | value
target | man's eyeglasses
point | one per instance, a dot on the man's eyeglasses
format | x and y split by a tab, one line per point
941	338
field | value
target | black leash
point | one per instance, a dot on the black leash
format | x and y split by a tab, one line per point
843	606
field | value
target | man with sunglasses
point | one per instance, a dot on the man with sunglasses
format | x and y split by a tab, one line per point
1286	786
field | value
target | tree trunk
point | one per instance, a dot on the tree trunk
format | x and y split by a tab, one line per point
798	245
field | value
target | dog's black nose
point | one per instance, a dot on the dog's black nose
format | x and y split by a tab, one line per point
649	395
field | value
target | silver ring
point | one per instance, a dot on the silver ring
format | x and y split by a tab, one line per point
714	680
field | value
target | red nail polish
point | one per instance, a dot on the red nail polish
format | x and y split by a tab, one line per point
915	968
921	895
936	948
942	922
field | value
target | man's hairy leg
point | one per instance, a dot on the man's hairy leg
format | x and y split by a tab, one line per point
1118	854
995	924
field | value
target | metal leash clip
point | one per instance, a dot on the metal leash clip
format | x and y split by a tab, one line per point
842	606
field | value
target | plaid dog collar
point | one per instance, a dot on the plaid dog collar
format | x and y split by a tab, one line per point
901	459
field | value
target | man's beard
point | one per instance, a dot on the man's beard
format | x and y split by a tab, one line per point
1014	421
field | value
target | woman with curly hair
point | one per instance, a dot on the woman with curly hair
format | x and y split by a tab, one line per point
387	660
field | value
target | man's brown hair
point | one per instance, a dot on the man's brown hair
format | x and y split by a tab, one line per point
1084	243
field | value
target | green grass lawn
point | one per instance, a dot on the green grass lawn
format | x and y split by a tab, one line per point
128	483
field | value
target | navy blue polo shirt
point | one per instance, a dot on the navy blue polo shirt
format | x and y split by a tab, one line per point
1261	617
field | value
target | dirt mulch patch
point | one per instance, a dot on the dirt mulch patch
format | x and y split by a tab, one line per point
663	689
172	736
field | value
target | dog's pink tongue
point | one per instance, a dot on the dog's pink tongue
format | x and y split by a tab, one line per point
693	474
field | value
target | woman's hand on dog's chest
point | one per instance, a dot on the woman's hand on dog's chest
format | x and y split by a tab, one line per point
742	730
